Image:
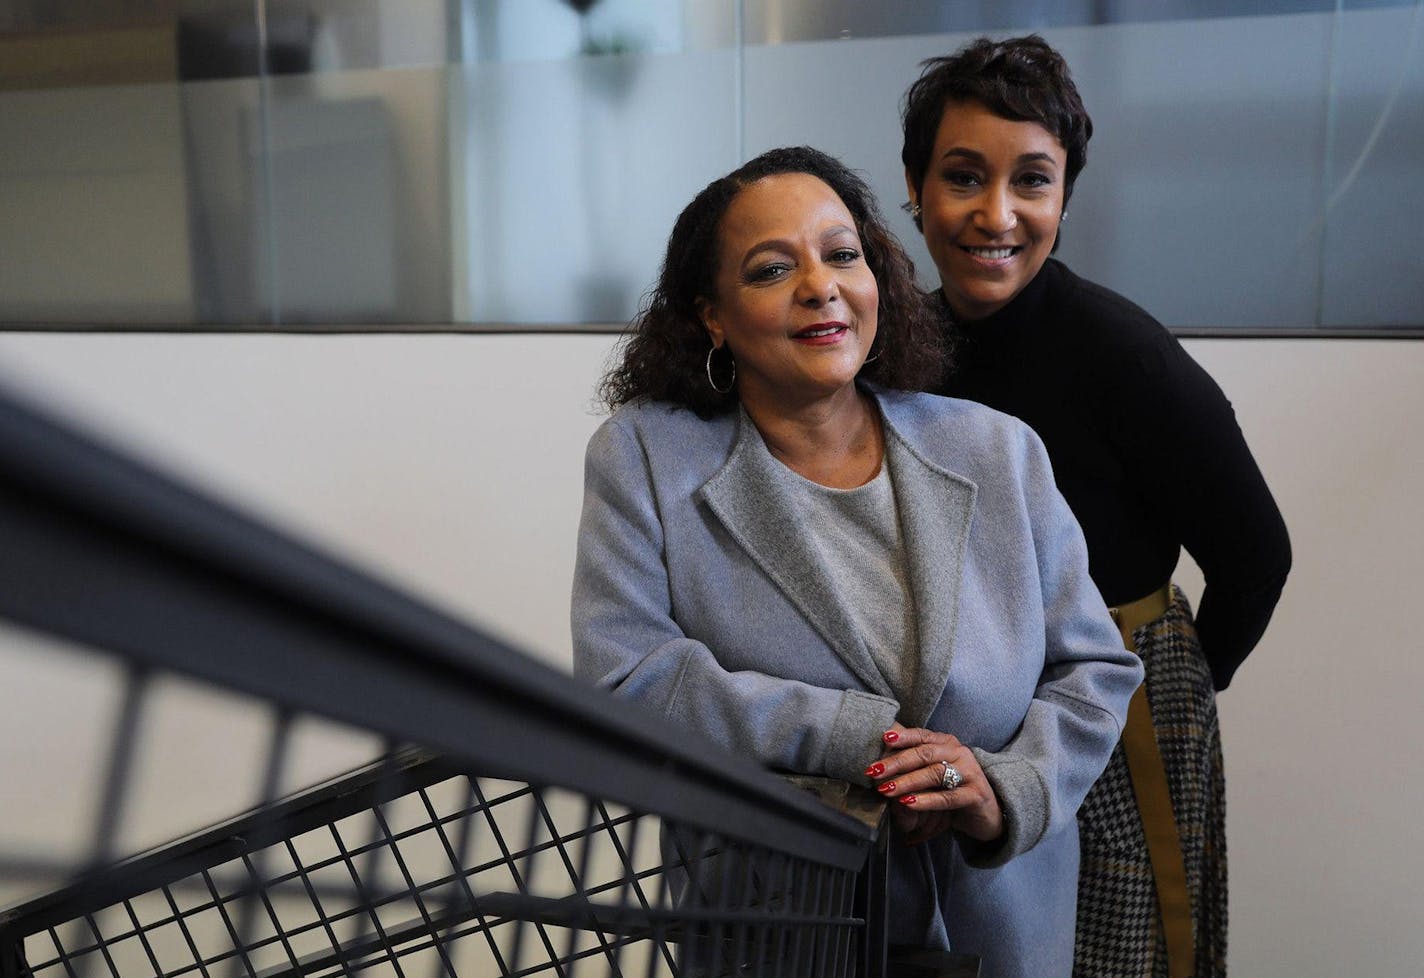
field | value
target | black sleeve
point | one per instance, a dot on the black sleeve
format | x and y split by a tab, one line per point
1194	459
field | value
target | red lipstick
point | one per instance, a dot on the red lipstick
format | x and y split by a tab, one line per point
821	334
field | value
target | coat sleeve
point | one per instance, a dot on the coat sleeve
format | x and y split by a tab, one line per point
1075	718
1182	435
627	639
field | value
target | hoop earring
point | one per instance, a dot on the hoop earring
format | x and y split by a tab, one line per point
874	358
731	383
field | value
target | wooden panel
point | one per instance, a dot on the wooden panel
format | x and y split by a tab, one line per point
68	57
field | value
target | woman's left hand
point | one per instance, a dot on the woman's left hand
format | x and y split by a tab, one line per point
912	774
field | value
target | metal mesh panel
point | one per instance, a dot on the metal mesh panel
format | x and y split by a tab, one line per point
413	870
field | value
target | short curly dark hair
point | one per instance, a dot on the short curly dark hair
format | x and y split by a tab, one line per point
1022	78
664	351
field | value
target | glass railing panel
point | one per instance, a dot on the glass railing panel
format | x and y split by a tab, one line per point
357	163
1371	211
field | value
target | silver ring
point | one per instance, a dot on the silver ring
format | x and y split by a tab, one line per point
951	778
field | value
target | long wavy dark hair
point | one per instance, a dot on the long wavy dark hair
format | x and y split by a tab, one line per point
1022	79
663	356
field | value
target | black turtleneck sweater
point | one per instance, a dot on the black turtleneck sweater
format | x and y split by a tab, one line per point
1145	448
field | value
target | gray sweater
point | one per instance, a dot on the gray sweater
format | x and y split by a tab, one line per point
857	533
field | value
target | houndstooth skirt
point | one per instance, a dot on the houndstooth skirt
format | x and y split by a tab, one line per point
1119	931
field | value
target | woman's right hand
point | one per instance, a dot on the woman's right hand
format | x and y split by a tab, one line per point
911	774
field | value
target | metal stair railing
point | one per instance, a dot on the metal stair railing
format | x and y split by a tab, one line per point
531	825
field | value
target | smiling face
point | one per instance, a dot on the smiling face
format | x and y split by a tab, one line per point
991	203
795	301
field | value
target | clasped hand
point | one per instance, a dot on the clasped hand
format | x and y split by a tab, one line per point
911	774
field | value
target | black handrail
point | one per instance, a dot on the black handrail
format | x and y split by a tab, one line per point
106	551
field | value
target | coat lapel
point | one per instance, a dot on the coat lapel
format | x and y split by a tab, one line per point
747	496
936	510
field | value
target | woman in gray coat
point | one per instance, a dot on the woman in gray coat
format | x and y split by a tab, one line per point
782	551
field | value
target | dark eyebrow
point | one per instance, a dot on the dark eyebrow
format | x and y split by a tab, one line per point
782	245
978	157
771	244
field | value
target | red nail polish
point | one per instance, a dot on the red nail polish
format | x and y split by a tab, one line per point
887	787
908	800
875	770
891	736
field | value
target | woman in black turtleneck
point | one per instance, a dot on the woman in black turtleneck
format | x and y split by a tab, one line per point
1147	451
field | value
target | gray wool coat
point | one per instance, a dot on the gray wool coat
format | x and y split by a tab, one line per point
696	594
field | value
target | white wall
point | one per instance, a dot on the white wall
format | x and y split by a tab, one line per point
1322	725
452	465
